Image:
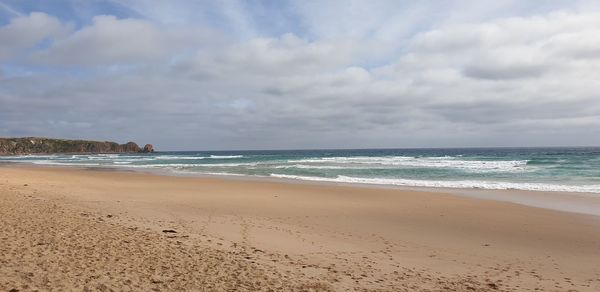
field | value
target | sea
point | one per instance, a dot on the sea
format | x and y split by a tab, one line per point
569	169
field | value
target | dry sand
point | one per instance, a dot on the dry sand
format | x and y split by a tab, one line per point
68	229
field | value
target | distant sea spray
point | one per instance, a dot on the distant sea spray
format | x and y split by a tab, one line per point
539	169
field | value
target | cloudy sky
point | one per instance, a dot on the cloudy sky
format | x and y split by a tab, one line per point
196	75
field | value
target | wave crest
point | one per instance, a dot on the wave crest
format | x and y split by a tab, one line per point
466	184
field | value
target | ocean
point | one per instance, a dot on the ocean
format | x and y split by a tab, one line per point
538	169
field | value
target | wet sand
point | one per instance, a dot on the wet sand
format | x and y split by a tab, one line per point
66	229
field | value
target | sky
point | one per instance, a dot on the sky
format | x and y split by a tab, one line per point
223	75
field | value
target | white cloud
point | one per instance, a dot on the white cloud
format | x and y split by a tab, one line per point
25	32
501	81
109	41
287	55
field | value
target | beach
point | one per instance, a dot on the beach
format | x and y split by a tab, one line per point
80	229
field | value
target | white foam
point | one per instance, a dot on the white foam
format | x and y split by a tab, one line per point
304	166
108	155
46	162
189	165
226	156
429	162
131	159
169	157
27	156
187	172
229	164
466	184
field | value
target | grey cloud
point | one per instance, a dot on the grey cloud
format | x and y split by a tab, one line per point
109	41
25	32
482	71
490	82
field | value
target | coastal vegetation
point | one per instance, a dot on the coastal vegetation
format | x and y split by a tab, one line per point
36	145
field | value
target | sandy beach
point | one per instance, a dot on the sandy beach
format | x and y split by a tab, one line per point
72	229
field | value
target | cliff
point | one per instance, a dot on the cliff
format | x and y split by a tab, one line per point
34	145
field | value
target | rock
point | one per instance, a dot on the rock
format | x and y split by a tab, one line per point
35	145
148	148
130	147
169	231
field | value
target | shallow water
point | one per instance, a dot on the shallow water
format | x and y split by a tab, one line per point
540	169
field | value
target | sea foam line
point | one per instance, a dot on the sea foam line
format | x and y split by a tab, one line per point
451	184
429	162
226	156
169	157
190	165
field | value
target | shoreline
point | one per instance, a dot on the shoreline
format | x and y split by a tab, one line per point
485	169
573	202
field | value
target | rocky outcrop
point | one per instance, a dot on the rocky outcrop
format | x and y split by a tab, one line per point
34	145
148	148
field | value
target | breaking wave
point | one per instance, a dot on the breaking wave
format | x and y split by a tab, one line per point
451	184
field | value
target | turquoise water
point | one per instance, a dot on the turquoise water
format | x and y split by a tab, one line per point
543	169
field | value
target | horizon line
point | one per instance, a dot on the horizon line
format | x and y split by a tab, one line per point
386	148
